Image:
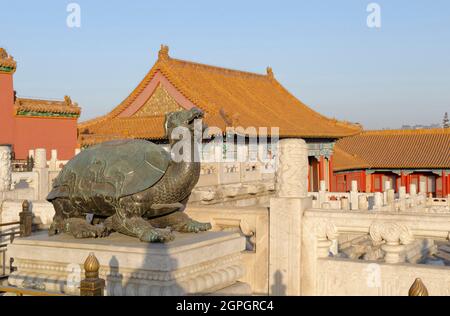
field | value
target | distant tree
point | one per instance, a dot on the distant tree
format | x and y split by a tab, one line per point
446	121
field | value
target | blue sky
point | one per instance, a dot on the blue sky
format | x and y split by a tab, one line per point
322	51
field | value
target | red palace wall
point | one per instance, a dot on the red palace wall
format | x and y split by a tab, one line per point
26	133
6	109
48	133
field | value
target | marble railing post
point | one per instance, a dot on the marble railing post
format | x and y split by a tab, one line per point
286	213
423	188
387	187
363	204
396	236
40	166
5	168
322	192
378	200
354	196
402	198
53	160
413	195
390	197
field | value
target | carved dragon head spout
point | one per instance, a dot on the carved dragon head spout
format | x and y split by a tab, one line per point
185	119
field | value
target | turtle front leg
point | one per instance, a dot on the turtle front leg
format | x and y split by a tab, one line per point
138	227
79	228
180	222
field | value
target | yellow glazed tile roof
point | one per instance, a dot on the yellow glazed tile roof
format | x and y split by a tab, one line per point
394	149
229	98
34	106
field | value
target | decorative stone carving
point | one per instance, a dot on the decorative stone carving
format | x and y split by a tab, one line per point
395	235
231	191
207	195
292	172
5	168
326	233
160	103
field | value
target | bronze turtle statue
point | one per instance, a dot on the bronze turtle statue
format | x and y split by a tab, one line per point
129	186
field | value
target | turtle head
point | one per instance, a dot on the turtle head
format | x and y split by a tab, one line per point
184	118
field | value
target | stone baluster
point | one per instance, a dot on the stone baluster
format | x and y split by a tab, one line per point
396	236
413	190
92	285
423	188
53	160
5	168
387	187
344	204
327	235
378	200
40	159
413	195
40	166
390	197
354	196
322	193
363	203
402	198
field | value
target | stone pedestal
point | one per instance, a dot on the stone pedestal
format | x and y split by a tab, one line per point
286	212
193	264
285	245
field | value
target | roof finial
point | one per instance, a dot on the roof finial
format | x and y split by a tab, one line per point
163	52
3	53
7	62
67	100
270	73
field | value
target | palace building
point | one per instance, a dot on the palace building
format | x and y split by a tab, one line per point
27	124
401	157
229	98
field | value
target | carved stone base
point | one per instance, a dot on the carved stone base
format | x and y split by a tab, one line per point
193	264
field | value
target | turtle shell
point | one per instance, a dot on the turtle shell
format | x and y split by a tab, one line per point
113	169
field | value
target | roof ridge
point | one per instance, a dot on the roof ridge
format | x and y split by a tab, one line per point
219	68
406	131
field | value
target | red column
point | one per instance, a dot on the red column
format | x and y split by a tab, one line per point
408	182
363	181
309	176
321	169
444	185
402	179
330	169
